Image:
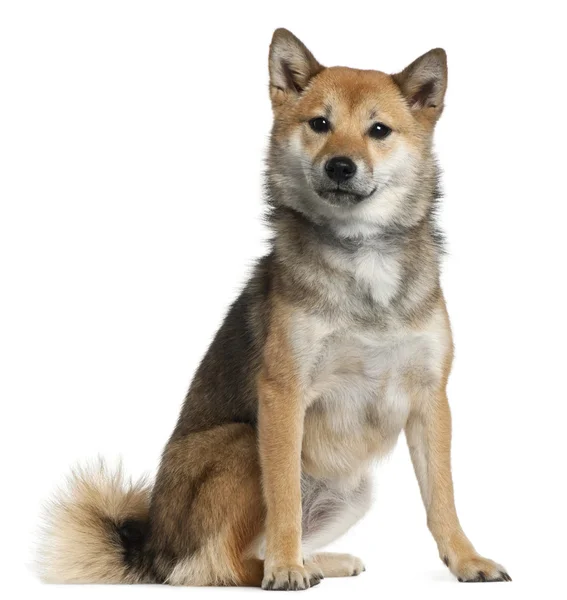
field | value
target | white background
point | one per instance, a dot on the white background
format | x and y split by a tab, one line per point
131	140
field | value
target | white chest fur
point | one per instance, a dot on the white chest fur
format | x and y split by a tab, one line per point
359	386
376	273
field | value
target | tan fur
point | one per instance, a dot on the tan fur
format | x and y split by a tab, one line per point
356	97
428	432
227	510
280	433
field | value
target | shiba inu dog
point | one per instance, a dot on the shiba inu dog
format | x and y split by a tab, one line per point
339	341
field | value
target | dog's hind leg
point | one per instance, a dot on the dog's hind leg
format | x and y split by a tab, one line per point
206	509
333	564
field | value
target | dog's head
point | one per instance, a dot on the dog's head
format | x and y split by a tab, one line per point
351	146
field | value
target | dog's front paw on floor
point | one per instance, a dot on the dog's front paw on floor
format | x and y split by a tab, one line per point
477	570
295	577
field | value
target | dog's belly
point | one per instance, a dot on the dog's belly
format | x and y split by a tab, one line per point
359	392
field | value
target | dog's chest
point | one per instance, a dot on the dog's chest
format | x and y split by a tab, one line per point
358	387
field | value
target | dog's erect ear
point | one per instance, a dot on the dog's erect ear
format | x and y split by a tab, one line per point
291	66
424	82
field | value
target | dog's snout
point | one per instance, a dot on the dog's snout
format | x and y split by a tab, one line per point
340	168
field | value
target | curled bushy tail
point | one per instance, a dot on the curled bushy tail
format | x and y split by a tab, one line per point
94	530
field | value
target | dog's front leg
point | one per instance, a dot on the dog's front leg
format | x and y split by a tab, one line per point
428	433
280	430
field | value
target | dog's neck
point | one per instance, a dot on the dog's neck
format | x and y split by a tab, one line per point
295	229
285	221
395	270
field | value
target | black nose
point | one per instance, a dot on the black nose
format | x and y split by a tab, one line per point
340	168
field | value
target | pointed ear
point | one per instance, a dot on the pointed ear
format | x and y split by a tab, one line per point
291	66
424	82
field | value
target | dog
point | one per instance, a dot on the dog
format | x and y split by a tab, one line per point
338	342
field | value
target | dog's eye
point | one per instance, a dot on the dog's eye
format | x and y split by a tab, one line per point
320	124
379	131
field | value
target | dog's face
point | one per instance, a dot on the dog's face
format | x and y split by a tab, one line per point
349	144
354	132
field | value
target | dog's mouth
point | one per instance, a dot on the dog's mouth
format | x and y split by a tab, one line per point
339	196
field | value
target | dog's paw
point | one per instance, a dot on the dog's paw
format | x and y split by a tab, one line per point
337	565
295	577
357	566
477	569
